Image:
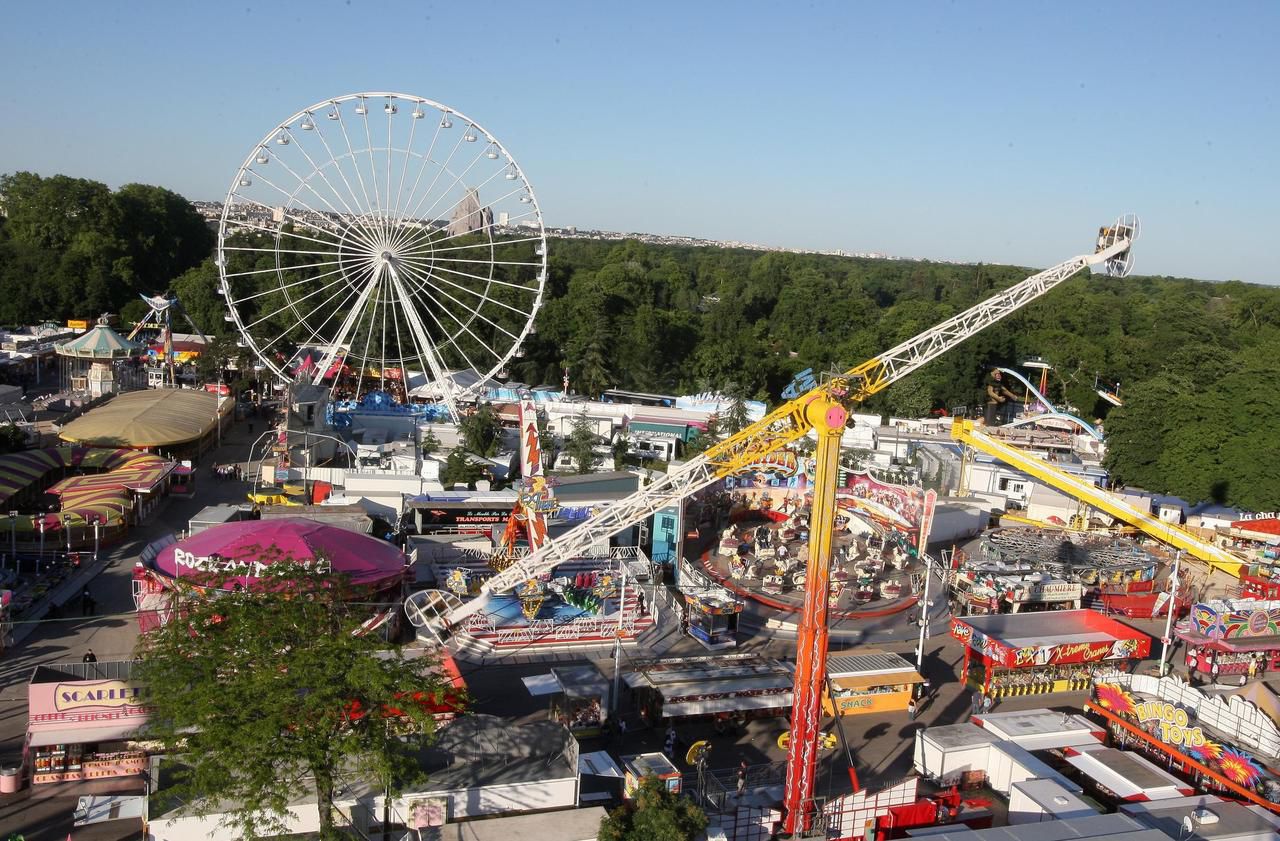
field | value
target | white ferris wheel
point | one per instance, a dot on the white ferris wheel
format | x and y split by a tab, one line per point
382	242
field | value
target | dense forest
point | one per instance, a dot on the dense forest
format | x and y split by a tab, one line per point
1198	362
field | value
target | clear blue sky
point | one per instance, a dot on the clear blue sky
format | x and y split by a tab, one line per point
1003	132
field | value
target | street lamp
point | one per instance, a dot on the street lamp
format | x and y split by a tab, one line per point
97	534
13	537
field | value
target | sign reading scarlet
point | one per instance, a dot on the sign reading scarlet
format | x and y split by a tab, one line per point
104	693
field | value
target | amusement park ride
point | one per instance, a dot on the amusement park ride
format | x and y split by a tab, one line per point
159	317
822	411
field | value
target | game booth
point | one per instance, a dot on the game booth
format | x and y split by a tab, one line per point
869	681
83	721
1238	636
1032	653
1222	743
729	685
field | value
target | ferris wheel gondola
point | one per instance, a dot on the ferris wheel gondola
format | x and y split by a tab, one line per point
367	248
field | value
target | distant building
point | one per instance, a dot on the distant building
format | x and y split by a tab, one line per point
504	218
469	216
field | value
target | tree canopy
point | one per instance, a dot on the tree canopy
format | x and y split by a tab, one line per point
654	814
263	694
679	319
70	247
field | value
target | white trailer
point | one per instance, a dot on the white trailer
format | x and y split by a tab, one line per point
1034	801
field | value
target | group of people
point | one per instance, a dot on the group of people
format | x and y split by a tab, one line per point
227	471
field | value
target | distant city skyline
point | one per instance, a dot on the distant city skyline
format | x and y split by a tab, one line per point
982	131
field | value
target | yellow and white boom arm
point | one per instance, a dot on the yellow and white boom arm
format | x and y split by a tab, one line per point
787	423
1075	487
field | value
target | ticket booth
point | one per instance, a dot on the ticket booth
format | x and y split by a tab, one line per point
713	620
644	765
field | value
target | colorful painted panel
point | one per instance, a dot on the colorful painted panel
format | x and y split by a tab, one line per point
1236	619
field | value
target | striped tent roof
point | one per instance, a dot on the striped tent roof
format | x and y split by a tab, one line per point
99	343
100	496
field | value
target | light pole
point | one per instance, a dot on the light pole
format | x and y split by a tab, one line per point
41	555
97	534
617	642
924	611
13	537
1168	620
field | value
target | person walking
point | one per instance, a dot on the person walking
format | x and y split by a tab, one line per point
742	778
669	747
89	657
987	703
911	709
86	603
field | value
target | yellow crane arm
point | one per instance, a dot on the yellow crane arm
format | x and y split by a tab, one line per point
965	432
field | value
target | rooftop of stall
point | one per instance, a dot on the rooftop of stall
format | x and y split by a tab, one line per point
754	682
1128	775
1092	828
1002	636
870	667
585	681
1031	801
1041	729
109	721
1234	821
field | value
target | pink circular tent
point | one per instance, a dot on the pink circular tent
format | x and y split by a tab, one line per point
245	548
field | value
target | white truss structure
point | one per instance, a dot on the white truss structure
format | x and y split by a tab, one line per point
786	424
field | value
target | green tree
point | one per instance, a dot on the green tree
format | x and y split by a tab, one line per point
621	445
654	814
264	693
12	438
459	470
581	443
430	443
482	431
909	398
735	416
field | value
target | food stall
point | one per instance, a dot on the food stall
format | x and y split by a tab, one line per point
81	722
1033	653
1238	636
713	619
579	697
637	767
869	681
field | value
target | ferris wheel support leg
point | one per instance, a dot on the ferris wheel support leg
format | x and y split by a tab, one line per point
827	418
428	355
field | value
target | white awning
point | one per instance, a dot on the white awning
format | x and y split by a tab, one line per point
599	764
635	679
727	704
1130	776
109	731
541	684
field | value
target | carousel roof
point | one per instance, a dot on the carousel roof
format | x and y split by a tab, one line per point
99	343
246	546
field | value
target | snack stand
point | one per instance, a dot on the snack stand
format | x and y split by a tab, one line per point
869	681
1034	653
81	722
